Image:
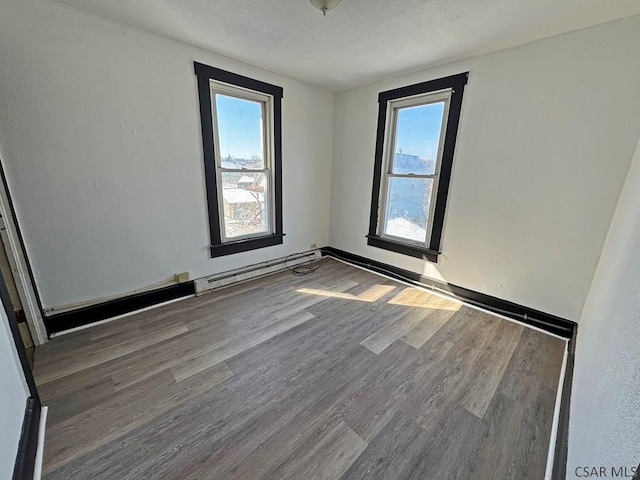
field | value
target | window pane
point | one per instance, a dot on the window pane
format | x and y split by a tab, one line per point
408	201
240	132
417	139
245	197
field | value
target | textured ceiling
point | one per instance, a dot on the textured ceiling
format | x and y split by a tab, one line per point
361	41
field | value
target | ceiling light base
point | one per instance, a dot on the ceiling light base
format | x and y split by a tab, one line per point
325	5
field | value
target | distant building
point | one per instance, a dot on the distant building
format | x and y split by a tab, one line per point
246	182
243	205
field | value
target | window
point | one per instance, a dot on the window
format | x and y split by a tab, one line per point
241	139
417	128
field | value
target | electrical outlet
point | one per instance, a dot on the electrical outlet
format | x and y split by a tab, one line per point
182	277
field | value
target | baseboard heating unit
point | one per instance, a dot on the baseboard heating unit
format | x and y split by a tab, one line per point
224	279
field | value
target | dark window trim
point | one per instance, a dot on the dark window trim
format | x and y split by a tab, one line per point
205	73
404	248
457	84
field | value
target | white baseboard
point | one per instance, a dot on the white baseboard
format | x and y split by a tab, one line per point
117	317
556	418
37	470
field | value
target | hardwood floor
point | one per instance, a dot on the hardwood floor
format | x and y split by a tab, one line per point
340	374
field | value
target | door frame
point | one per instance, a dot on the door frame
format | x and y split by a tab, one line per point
26	457
20	264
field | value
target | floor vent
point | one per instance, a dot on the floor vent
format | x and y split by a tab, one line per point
214	282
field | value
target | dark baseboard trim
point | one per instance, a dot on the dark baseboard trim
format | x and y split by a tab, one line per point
28	446
101	311
550	323
536	318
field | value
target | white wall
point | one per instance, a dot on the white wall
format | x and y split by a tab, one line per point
604	425
101	142
546	137
101	137
13	398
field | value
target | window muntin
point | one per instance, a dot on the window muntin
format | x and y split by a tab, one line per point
242	132
416	128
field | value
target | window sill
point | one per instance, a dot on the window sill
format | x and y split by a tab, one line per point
245	245
405	249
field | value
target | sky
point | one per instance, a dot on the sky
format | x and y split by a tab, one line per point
418	130
239	127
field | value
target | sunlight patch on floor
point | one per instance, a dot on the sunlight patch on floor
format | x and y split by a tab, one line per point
371	295
411	297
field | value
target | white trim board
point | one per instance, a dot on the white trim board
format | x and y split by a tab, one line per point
219	281
556	417
37	470
117	317
450	297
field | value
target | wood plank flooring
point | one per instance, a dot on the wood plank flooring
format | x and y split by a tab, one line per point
340	374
